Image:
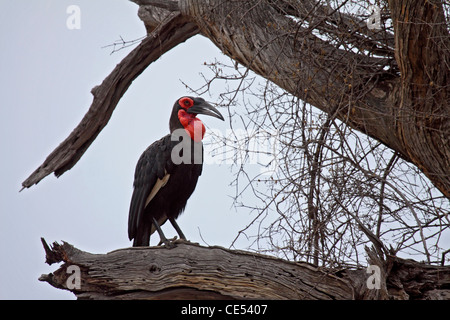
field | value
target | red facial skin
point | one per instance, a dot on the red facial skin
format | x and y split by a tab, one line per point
193	126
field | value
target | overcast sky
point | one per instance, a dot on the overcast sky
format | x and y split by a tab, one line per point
47	72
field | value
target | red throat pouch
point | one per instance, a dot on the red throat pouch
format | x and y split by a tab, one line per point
193	126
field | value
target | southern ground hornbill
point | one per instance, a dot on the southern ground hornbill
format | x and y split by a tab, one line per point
167	172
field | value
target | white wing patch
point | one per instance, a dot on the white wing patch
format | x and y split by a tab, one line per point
158	185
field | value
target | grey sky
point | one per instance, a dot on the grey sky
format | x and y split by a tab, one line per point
47	72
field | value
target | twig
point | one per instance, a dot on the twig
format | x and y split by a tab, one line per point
124	44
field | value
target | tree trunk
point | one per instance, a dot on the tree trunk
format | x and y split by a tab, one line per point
422	100
401	102
190	271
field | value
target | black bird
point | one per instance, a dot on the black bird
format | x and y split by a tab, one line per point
167	172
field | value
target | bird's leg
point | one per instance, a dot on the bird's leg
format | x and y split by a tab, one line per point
177	228
163	238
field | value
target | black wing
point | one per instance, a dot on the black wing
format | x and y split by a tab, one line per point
154	164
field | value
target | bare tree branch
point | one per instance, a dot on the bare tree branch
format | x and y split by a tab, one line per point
390	84
174	30
306	49
190	271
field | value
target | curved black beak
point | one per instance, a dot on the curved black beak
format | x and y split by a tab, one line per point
202	107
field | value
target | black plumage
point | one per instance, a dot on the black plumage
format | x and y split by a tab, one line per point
162	185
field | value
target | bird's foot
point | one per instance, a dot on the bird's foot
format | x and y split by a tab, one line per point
172	243
182	240
168	243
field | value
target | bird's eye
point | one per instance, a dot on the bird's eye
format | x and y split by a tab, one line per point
186	102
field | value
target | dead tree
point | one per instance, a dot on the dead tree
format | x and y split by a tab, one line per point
390	84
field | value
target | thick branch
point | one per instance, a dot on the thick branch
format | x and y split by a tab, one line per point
423	101
190	271
174	30
274	46
369	93
409	112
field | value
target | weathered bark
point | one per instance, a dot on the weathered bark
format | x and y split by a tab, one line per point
378	102
422	100
194	272
190	271
403	103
